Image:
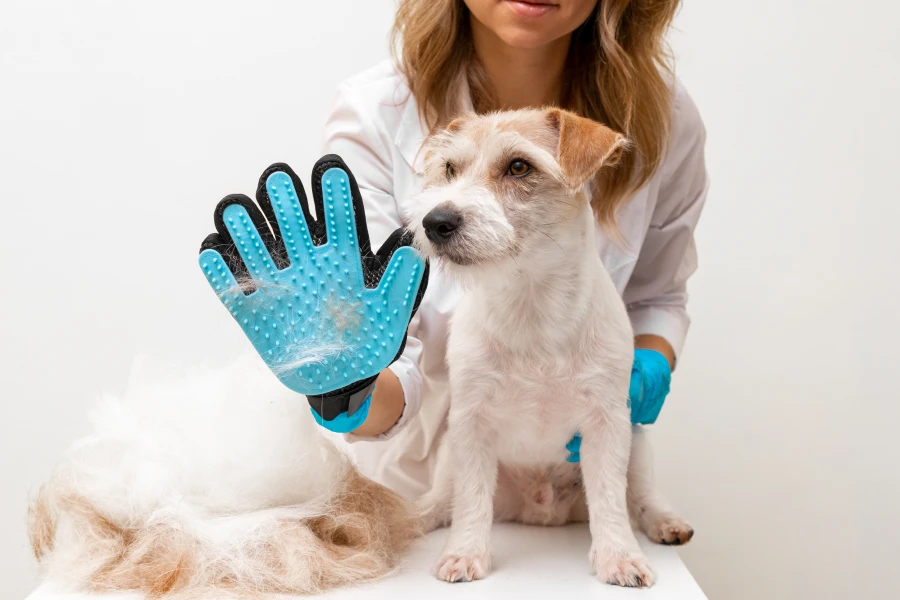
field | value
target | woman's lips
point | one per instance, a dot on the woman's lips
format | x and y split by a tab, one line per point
530	9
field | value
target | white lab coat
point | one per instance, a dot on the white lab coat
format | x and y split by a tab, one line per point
375	128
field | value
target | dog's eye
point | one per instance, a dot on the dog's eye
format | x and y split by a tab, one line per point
450	171
518	168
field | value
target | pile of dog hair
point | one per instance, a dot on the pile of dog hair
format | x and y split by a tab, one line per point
216	483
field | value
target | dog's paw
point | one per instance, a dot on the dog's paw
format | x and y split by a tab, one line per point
627	571
455	568
667	528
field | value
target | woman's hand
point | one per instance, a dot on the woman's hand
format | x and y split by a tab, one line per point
325	313
651	374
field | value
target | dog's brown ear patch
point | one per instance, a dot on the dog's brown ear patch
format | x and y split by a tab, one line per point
585	146
457	123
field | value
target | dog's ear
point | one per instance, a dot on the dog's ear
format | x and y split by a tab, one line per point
456	124
585	146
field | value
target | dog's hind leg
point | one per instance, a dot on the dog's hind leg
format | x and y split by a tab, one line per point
648	509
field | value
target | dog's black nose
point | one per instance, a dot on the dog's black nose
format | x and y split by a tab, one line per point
440	225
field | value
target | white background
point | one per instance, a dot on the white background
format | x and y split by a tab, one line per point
122	124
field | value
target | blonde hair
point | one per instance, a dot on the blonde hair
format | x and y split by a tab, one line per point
616	74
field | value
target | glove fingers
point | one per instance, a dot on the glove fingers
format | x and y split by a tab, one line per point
220	277
240	221
281	197
229	254
380	262
375	265
401	278
339	205
399	238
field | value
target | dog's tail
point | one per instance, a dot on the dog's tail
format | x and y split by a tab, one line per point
214	480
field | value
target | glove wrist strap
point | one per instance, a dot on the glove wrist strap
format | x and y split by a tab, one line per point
347	400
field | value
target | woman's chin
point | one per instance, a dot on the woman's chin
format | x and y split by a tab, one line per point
524	38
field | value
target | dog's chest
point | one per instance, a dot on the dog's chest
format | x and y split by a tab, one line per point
534	385
534	417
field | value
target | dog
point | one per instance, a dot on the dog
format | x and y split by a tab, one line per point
540	346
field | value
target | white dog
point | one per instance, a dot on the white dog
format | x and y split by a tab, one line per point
540	346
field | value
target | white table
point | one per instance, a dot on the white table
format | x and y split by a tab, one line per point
528	562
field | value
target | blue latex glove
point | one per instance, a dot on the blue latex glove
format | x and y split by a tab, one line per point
650	380
324	312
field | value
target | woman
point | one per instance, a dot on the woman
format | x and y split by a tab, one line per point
604	60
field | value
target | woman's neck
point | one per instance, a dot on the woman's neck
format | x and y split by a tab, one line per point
520	77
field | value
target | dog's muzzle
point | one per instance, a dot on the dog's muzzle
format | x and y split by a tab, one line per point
441	224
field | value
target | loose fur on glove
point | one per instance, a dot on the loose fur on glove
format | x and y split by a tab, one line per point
217	483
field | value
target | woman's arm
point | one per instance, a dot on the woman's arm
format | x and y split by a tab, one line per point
386	406
351	133
654	342
656	294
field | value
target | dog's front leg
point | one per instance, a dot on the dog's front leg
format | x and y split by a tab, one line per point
466	555
615	555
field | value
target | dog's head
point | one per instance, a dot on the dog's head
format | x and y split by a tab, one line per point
498	186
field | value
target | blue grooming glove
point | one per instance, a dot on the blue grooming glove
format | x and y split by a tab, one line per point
650	380
324	312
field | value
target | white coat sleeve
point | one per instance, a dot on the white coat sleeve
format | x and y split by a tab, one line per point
351	133
656	293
